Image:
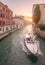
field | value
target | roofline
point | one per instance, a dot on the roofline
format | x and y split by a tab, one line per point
5	6
39	4
1	3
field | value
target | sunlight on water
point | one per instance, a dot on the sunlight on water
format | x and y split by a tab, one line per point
12	49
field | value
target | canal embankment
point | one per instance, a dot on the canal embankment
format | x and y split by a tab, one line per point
3	35
11	52
40	33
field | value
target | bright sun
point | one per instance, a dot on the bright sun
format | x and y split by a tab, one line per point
28	18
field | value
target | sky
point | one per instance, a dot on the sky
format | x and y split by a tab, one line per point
22	7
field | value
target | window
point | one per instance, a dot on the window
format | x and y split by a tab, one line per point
8	17
0	29
2	23
7	11
2	15
1	8
6	28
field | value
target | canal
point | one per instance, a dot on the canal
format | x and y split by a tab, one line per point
11	52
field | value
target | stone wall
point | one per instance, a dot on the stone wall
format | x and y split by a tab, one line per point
40	33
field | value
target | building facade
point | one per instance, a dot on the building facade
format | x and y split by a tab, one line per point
42	10
6	18
19	21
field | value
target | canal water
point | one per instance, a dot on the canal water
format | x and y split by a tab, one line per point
11	52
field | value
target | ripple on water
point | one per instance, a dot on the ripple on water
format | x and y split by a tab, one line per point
11	51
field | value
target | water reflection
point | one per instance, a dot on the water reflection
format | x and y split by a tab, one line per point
11	50
30	30
41	56
5	48
33	58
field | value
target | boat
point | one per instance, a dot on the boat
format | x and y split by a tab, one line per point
31	45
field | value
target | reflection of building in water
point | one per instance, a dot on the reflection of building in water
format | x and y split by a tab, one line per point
5	18
42	10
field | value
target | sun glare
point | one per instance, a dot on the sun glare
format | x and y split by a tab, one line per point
28	18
